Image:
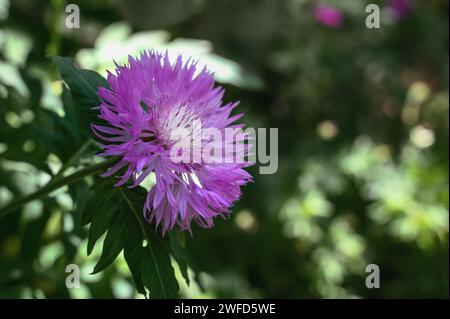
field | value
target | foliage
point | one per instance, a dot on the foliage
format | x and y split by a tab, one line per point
363	152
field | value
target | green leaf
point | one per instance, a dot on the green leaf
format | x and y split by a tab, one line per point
133	252
177	242
83	85
157	272
70	115
102	192
101	221
118	212
114	243
133	257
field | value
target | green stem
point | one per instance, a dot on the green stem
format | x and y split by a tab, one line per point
71	160
90	170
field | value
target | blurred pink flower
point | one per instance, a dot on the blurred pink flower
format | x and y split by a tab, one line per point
399	8
328	15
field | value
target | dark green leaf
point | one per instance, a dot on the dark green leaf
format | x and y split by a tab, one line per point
102	192
177	242
158	273
133	252
114	243
83	85
118	211
105	215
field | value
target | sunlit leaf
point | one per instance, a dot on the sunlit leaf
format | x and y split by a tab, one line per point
83	85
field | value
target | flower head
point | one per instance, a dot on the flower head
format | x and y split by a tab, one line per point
147	101
328	15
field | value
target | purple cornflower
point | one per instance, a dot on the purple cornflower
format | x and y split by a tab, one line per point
328	15
148	99
399	8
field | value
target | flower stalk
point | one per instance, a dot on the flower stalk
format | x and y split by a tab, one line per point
54	184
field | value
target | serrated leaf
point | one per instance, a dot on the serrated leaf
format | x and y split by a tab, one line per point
151	265
103	191
101	221
114	242
158	274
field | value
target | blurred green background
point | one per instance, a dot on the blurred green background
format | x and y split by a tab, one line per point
363	145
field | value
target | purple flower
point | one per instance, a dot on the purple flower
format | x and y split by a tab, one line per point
399	8
150	98
328	15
